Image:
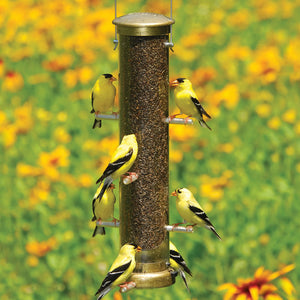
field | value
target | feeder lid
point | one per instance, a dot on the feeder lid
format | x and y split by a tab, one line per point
143	24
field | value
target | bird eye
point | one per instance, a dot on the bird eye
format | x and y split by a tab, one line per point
179	191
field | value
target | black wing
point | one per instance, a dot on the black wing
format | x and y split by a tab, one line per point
112	276
201	214
114	166
94	217
199	107
179	259
92	98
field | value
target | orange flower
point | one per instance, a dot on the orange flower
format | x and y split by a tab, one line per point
58	63
13	81
204	75
41	248
259	286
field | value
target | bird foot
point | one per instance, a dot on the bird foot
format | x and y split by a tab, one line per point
186	119
131	177
173	117
114	113
175	225
99	221
190	227
125	287
114	220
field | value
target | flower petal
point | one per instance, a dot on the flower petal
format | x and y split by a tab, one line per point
287	286
254	293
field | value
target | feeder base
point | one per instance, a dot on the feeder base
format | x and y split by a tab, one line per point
152	280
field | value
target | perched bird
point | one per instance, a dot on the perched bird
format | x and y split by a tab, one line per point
191	211
121	161
178	264
103	96
103	209
120	270
187	102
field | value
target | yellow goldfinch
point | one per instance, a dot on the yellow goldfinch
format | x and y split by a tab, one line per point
120	270
103	96
178	264
191	211
187	101
103	209
121	161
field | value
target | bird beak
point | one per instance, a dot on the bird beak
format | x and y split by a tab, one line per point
138	249
113	79
174	194
112	186
174	83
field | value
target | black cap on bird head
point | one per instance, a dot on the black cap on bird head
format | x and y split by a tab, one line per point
107	75
180	80
138	248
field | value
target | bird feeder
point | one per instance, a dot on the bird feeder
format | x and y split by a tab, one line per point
144	102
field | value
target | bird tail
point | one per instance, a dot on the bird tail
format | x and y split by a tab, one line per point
182	275
97	123
98	230
107	182
212	228
203	124
101	293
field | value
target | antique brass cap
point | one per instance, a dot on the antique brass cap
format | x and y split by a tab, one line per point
143	24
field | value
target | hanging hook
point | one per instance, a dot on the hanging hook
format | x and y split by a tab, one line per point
170	42
116	42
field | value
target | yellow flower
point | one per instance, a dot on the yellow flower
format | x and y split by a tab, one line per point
226	148
229	95
32	261
213	188
2	68
266	64
259	286
182	133
12	82
62	116
239	19
23	118
176	155
85	180
267	10
274	123
9	135
24	170
263	110
85	74
3	120
289	116
39	193
43	115
61	135
59	157
70	78
290	150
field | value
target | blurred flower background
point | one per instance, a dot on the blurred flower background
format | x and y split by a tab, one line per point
243	58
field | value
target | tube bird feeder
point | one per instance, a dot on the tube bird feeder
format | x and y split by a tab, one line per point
144	102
